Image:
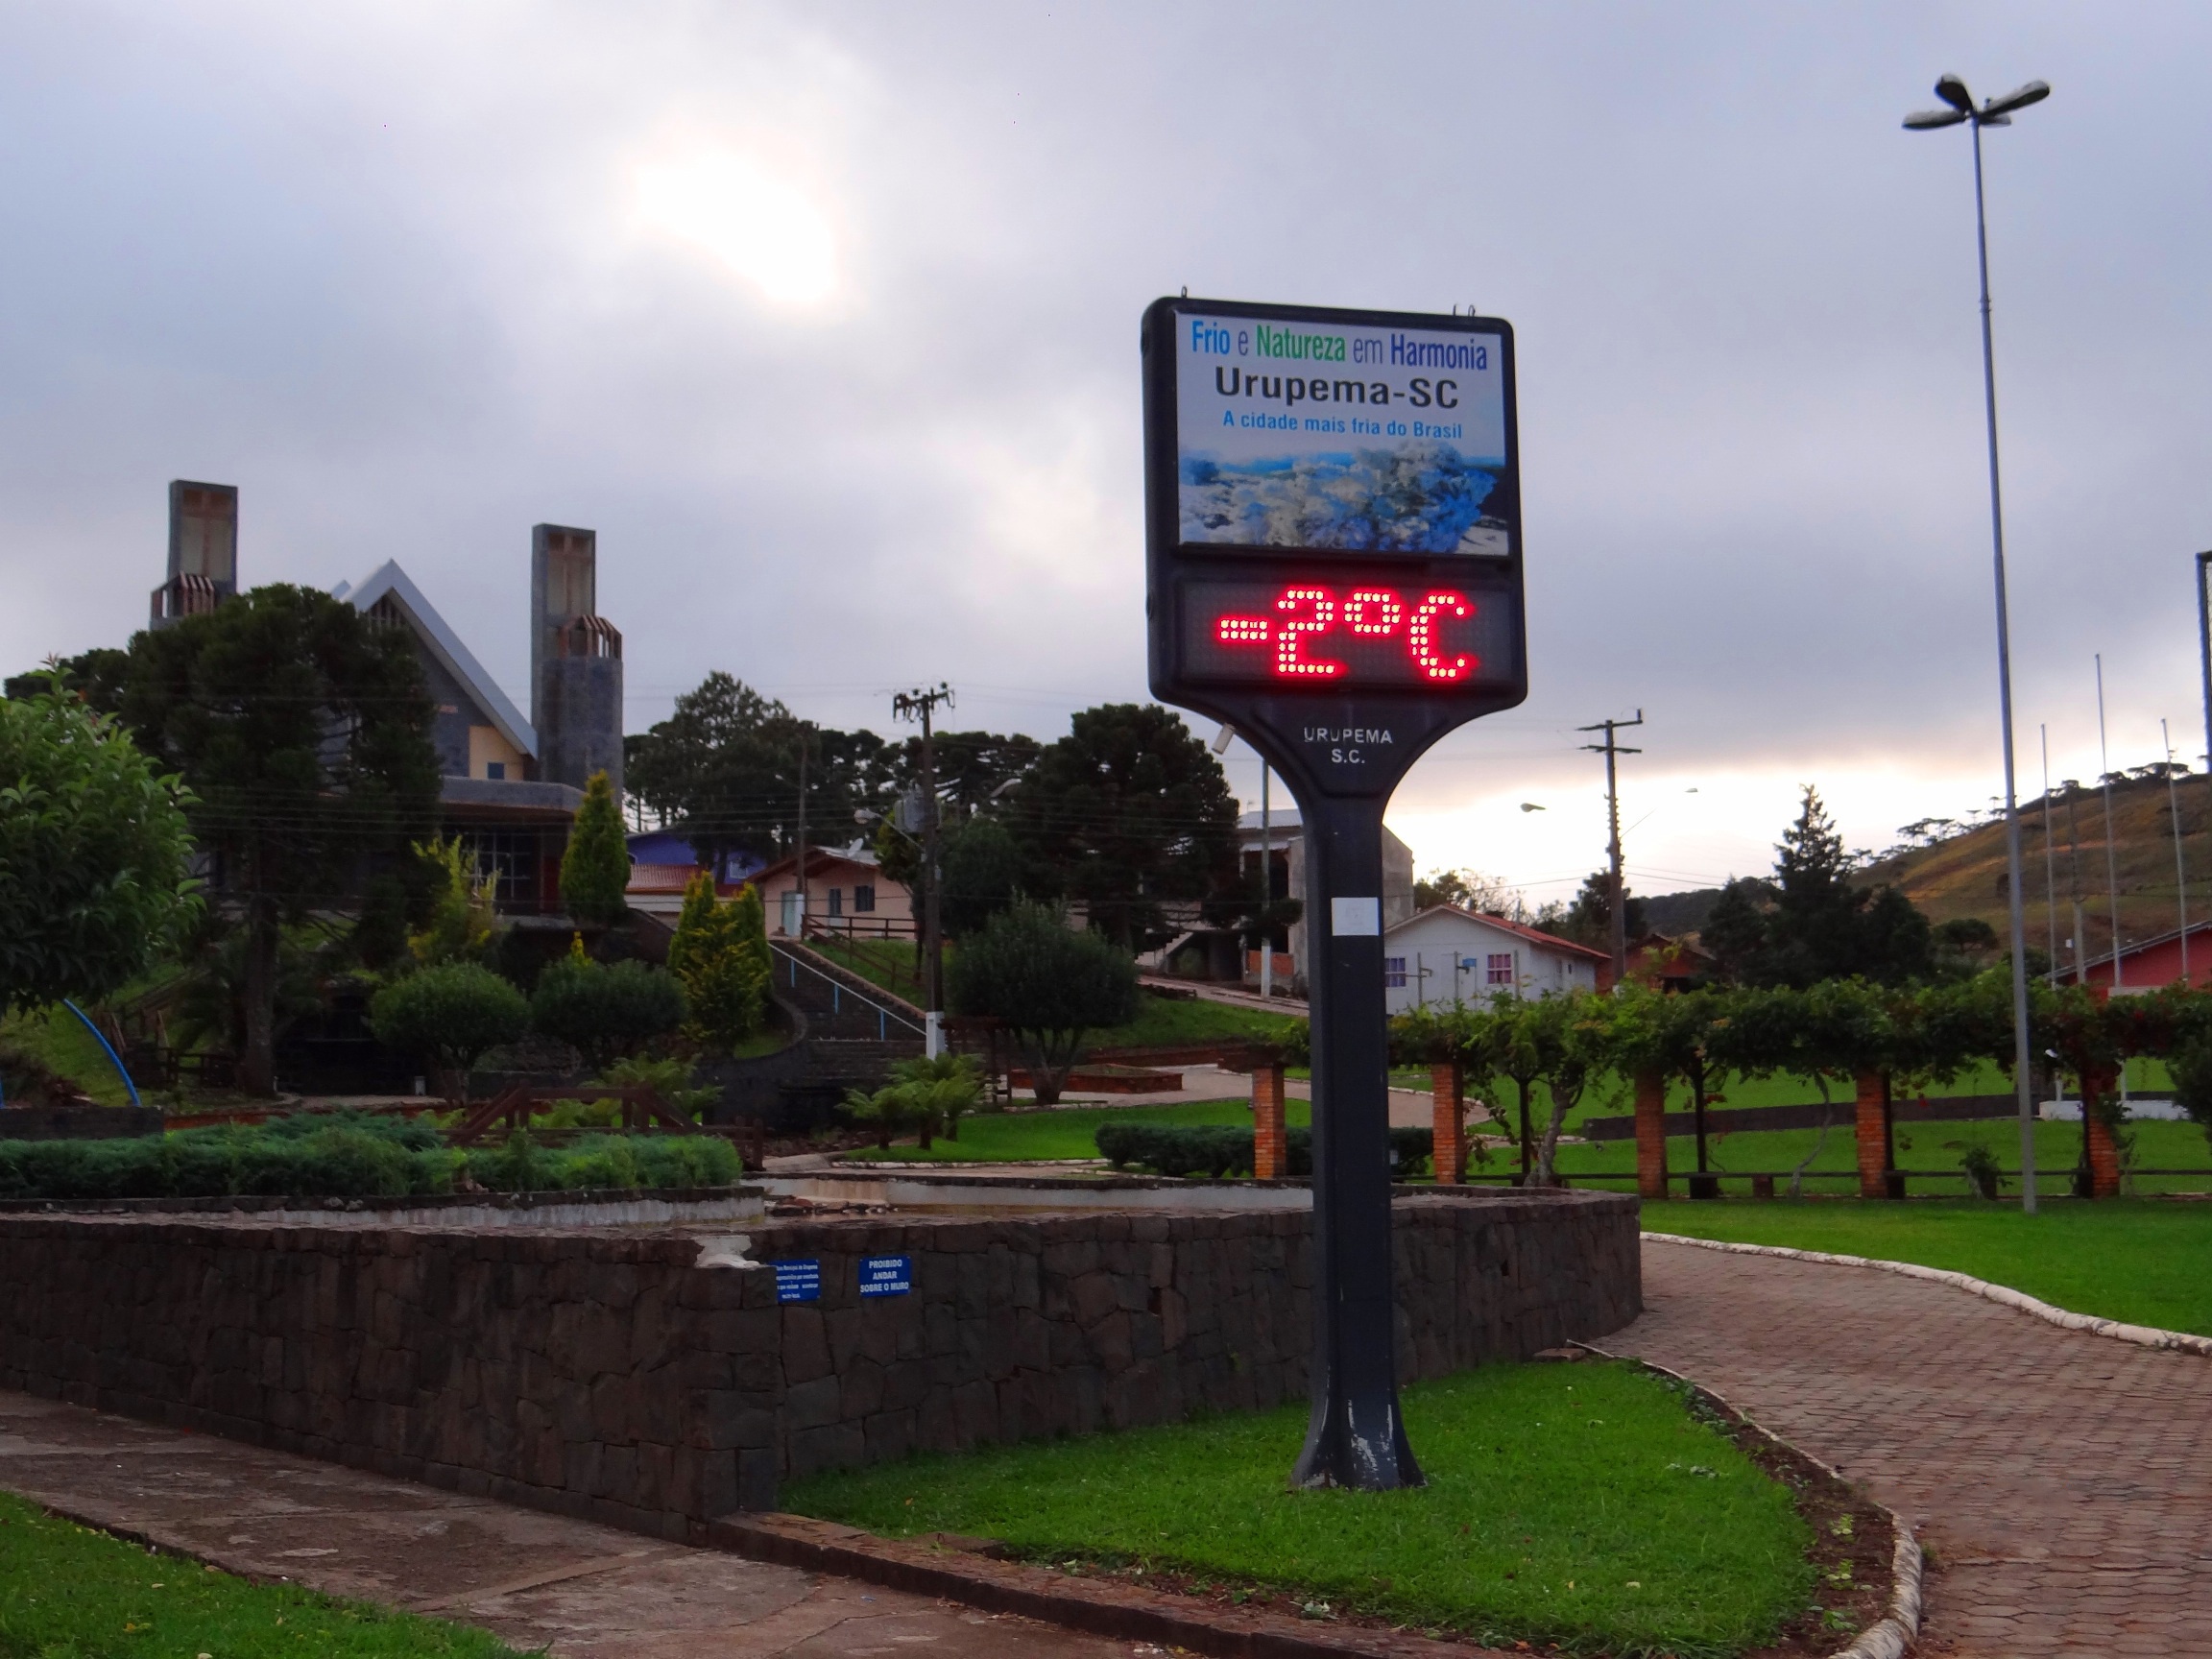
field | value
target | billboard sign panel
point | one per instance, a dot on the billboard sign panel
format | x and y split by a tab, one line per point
1297	432
1332	525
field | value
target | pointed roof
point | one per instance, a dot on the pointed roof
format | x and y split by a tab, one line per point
1506	925
389	582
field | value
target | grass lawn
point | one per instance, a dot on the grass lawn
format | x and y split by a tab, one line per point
1934	1147
1066	1132
1163	1021
1579	1504
58	1038
2146	1262
67	1592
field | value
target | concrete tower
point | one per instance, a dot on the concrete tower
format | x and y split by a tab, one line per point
203	551
575	661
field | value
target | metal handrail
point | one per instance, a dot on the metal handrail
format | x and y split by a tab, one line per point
840	990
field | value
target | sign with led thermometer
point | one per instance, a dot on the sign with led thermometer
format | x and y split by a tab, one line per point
1357	634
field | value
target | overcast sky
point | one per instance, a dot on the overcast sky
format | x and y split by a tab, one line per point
825	317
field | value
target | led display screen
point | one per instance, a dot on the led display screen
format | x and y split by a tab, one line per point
1358	632
1297	432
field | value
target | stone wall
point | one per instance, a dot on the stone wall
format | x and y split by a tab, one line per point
654	1382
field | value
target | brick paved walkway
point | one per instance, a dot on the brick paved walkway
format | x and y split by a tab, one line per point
2063	1481
540	1581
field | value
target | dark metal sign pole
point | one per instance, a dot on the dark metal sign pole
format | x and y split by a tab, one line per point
1356	1436
1332	536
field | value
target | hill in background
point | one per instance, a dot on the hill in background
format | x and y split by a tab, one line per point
1965	875
1962	874
1675	914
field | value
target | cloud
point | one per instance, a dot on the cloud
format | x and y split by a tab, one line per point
828	322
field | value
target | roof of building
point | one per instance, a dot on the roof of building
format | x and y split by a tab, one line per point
816	858
1504	924
389	580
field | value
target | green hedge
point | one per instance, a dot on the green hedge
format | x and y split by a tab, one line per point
1218	1151
350	1155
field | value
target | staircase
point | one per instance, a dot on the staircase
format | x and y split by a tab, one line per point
855	1032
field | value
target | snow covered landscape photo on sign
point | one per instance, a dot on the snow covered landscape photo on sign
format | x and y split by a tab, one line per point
1415	497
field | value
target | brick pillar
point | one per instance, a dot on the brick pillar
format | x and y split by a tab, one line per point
1651	1134
1449	1087
2103	1147
1873	1137
1270	1144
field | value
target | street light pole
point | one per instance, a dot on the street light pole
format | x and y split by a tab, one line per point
1997	113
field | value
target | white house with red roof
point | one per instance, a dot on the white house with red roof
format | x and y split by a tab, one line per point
1445	954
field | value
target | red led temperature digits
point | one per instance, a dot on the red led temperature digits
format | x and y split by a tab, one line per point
1421	638
1304	615
1321	609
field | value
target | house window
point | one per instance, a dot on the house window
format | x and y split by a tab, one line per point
1394	972
863	899
837	901
1500	968
496	770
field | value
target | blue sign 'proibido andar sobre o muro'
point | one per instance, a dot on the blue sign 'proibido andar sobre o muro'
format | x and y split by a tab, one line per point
886	1275
1332	563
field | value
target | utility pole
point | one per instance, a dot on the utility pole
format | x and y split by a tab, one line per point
801	867
2204	650
922	705
1615	901
2111	837
2180	879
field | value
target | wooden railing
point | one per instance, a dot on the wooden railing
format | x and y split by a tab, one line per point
514	1106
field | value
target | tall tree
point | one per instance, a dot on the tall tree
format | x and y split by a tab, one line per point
596	867
724	767
1814	921
1470	890
971	766
1126	814
95	852
303	730
1589	919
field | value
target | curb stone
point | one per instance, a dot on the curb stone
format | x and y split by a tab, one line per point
1888	1638
1101	1606
2142	1335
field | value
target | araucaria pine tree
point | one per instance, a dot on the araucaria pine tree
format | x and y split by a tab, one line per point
720	956
595	870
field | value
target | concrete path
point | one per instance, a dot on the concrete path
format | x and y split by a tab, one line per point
2063	1481
537	1580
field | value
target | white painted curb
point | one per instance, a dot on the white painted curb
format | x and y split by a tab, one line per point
2142	1335
1892	1636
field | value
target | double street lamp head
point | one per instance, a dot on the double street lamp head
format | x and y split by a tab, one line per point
1960	105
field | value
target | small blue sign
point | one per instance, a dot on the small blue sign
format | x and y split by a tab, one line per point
886	1275
798	1280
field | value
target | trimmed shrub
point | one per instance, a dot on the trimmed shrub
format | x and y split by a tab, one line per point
607	1161
349	1154
448	1015
1219	1150
605	1013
